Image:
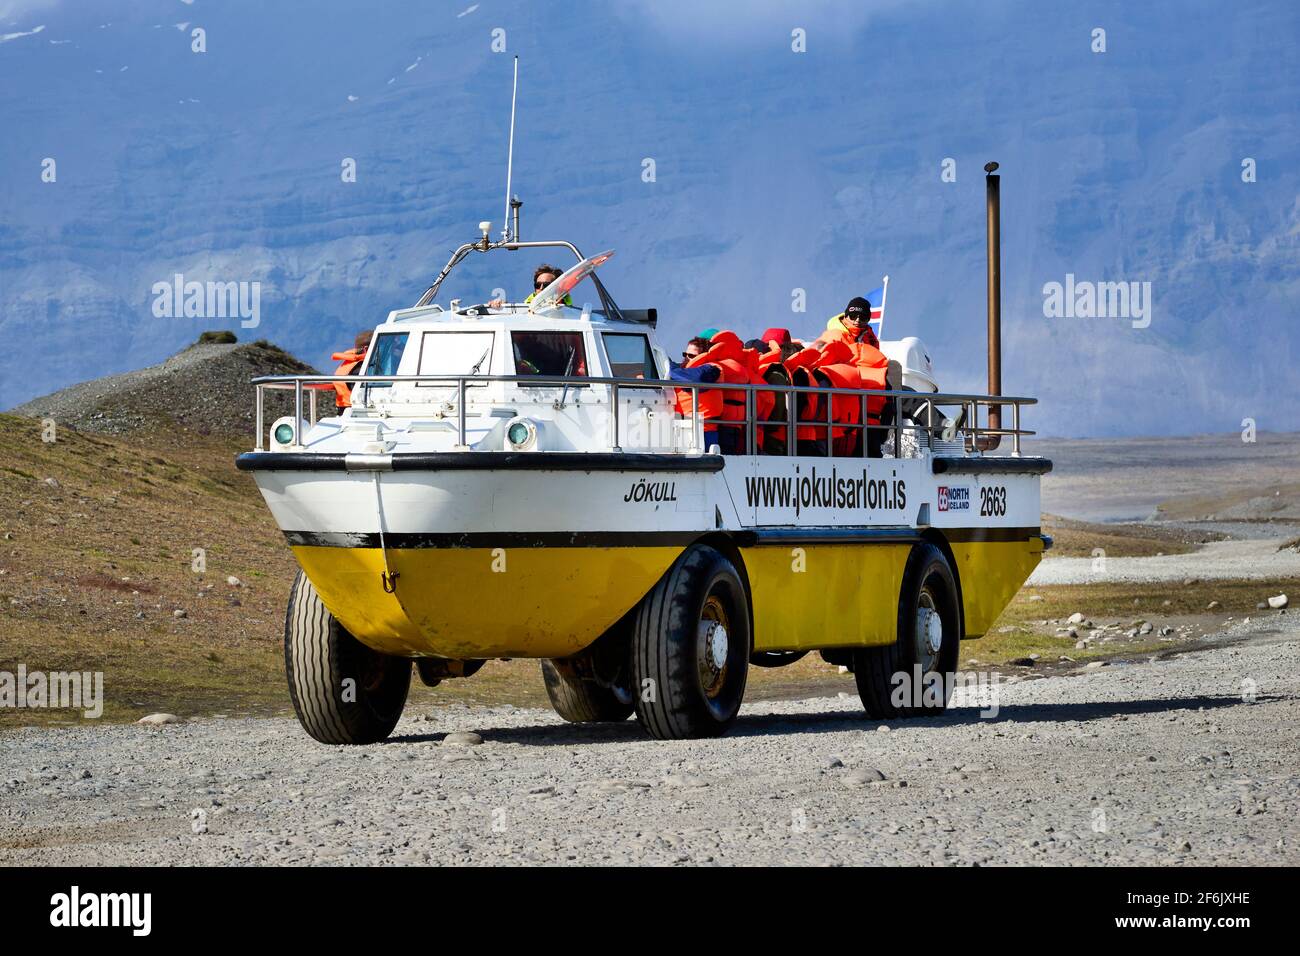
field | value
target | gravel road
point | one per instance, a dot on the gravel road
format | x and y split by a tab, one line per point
1253	558
1150	762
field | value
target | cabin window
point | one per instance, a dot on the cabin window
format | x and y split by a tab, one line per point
386	356
553	354
629	355
455	353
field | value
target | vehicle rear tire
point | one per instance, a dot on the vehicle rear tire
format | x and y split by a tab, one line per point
581	700
691	643
929	628
343	691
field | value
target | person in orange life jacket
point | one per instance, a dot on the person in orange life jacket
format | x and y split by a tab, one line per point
772	372
853	325
810	406
697	372
739	367
854	321
836	368
543	276
352	362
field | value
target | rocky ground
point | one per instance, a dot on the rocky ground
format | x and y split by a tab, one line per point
1181	759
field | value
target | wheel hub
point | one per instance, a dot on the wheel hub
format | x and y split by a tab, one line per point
929	630
713	638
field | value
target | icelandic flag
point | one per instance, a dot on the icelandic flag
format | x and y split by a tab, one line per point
877	299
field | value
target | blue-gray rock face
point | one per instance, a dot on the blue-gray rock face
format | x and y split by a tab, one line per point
773	171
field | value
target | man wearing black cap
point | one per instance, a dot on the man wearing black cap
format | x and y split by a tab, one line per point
851	326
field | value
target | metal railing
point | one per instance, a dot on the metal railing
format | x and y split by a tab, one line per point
306	387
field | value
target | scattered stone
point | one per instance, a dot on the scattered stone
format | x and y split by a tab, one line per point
1076	618
835	762
1094	665
683	781
862	776
462	738
1213	606
1278	602
157	720
178	614
1146	628
1188	582
234	582
1021	662
1080	645
1035	597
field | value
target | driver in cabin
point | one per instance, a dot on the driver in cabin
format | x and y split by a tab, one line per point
543	276
352	360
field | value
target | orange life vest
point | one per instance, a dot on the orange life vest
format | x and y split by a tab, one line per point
836	370
810	406
352	361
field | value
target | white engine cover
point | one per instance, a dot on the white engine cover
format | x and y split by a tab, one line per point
914	358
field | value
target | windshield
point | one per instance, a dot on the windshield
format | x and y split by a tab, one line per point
386	356
630	356
554	354
455	353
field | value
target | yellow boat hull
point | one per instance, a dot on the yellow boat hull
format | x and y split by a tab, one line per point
553	601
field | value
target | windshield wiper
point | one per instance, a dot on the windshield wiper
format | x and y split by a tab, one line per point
482	358
573	351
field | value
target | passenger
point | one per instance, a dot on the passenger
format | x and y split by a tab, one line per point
543	276
778	338
738	366
698	372
352	360
810	406
837	369
773	372
853	325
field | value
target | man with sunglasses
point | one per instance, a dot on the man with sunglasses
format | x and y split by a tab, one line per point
543	276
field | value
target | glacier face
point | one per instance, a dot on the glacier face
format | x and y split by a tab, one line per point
774	171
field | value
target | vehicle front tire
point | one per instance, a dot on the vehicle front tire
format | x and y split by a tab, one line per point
929	628
343	691
691	644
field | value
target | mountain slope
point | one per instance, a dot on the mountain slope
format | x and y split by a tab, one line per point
204	388
776	175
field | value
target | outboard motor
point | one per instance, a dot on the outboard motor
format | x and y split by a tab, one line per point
910	370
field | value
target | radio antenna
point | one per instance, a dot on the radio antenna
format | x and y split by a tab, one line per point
510	155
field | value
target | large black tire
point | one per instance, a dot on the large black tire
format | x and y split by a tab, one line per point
321	657
680	691
928	588
581	700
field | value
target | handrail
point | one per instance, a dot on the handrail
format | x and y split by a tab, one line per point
969	429
468	247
